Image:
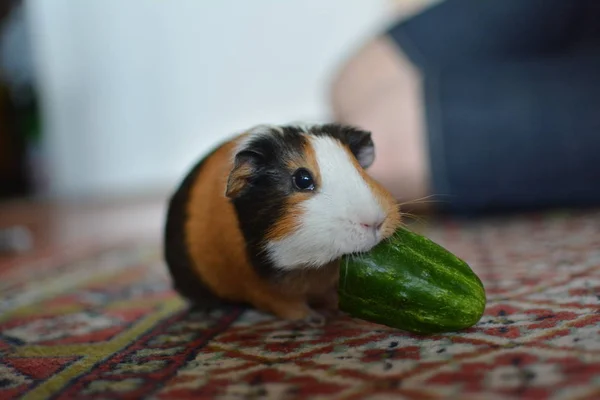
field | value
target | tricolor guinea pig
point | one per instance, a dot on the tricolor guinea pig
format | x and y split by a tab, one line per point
265	217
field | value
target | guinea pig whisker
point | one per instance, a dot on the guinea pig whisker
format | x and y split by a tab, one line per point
421	200
414	217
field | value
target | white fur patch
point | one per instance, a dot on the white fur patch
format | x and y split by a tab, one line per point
332	218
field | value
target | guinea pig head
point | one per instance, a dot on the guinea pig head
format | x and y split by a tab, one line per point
303	197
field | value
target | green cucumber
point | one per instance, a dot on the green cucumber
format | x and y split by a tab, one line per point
410	283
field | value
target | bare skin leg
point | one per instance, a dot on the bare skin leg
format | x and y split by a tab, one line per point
380	90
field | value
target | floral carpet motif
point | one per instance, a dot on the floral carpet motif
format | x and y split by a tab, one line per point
105	324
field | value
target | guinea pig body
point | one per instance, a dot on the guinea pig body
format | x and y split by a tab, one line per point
265	217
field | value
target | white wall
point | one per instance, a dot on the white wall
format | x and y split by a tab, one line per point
135	91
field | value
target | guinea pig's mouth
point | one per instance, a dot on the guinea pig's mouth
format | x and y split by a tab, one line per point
365	242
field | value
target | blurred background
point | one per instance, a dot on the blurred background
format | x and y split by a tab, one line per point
106	103
110	102
119	98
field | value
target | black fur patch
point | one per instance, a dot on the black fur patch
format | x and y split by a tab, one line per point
261	203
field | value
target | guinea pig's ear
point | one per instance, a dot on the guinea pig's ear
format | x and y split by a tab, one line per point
361	145
245	165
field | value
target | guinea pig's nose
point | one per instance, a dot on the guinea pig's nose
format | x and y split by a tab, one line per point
376	225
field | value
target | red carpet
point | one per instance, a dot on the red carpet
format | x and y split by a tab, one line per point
104	324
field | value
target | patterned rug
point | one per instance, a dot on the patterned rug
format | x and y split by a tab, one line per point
104	324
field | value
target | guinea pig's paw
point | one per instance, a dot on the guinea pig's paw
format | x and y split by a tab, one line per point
300	313
315	319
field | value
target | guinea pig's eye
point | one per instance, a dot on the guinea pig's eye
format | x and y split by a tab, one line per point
303	180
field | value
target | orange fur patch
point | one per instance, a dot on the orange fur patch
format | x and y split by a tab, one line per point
292	213
238	176
308	160
238	179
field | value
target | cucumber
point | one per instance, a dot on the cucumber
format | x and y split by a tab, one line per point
410	283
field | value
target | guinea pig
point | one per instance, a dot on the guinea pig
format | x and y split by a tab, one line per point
265	217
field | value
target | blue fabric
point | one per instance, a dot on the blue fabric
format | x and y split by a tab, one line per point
512	97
